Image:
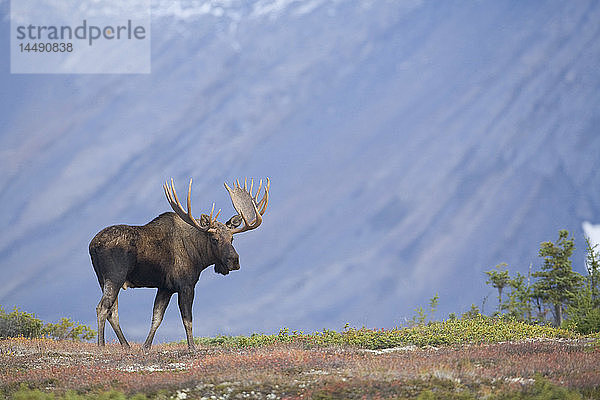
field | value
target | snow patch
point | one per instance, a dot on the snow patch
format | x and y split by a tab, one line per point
194	9
271	7
592	232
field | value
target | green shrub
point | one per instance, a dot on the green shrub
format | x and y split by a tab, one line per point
470	329
542	389
584	322
22	324
25	393
19	323
68	329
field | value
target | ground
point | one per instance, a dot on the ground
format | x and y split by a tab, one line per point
297	371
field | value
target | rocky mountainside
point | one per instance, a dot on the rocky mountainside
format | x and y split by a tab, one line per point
411	146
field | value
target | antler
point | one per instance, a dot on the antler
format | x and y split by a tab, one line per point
187	216
247	204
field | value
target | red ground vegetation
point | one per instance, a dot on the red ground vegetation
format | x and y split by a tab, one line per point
294	371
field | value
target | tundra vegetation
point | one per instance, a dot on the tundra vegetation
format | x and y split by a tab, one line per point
554	293
519	352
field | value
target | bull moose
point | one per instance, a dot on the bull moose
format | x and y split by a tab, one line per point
169	253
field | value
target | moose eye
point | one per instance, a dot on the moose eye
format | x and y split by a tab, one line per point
214	240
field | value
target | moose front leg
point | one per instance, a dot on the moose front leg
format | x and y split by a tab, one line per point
185	298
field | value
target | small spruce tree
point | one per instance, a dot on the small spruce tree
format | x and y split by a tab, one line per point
584	309
592	264
433	305
557	283
518	304
499	279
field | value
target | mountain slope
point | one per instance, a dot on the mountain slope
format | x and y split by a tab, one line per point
411	146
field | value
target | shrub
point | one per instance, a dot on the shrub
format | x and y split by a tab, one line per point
68	329
472	328
19	323
25	393
22	324
542	389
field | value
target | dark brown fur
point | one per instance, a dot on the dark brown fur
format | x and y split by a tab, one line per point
167	254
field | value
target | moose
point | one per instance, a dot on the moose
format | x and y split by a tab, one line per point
169	253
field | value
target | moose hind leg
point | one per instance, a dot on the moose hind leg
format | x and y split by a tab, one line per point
186	298
113	318
109	295
160	305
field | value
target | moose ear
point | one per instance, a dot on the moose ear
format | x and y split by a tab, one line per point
234	222
204	221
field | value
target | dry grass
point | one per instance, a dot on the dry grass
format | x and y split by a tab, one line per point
294	371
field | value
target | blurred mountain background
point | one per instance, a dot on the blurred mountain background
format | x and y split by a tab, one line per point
411	146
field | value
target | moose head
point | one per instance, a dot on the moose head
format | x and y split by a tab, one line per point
249	212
